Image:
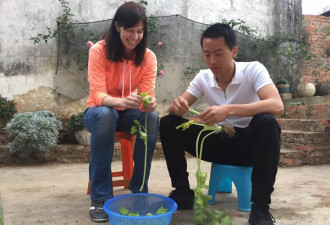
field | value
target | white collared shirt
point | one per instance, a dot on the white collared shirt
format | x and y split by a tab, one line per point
248	79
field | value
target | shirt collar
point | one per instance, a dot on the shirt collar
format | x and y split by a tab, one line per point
237	79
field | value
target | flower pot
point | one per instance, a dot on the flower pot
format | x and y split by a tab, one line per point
322	89
3	123
283	88
306	89
83	137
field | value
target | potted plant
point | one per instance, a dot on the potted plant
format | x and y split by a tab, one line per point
32	133
283	86
76	124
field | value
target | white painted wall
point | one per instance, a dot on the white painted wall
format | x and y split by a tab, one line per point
25	67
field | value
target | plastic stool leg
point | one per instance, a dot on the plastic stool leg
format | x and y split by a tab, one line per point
127	160
225	185
213	183
244	189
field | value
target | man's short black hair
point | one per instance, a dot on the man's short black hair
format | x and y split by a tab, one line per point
220	30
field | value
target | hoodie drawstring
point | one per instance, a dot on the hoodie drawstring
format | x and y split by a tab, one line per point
123	80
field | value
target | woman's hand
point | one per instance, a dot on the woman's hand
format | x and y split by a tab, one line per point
132	101
151	105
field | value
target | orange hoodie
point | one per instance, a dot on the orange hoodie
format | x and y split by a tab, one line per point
118	79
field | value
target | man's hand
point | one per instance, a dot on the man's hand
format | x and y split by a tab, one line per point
180	106
214	114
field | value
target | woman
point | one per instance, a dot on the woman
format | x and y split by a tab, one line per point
118	66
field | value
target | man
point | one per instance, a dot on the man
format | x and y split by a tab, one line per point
240	94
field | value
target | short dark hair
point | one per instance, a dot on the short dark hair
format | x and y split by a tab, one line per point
127	15
220	30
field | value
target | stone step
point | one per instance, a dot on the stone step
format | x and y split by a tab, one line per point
310	155
290	157
69	153
309	125
317	111
303	147
305	138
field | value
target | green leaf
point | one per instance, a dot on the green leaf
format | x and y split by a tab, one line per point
161	210
133	130
123	211
185	126
145	102
215	222
226	221
137	122
143	94
200	218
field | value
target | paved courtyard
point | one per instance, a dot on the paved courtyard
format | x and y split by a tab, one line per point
56	194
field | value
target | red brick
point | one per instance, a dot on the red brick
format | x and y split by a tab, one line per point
287	161
304	148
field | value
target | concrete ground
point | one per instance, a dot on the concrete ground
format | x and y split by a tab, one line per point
56	194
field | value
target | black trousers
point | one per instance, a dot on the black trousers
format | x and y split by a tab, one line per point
257	145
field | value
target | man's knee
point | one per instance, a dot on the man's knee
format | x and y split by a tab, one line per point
168	122
264	121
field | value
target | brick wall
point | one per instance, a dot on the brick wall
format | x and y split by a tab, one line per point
317	30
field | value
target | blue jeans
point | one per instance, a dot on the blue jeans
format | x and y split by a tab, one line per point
103	122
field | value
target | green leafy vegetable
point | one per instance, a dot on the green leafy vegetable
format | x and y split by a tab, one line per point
123	211
202	212
161	210
142	131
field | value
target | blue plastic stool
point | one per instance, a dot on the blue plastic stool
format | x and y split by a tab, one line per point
221	181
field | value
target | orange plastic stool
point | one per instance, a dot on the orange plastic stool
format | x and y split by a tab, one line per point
127	143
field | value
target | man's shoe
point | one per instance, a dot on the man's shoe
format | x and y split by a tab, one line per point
96	212
183	198
261	216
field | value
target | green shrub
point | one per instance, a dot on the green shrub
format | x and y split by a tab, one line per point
76	122
7	108
32	133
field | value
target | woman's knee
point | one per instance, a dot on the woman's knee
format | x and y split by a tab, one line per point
101	115
153	117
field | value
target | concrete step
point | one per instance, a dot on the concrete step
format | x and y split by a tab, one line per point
309	125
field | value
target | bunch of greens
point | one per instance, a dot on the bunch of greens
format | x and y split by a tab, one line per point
142	131
124	211
202	211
